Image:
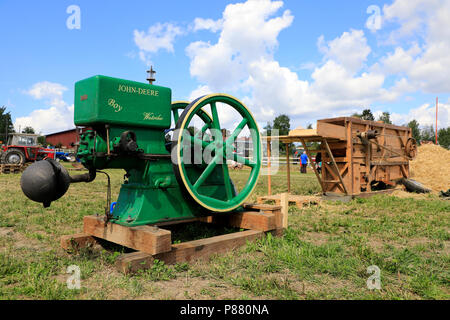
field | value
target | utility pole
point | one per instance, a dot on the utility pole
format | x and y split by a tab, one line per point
436	120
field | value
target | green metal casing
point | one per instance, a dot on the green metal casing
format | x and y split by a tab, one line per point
106	100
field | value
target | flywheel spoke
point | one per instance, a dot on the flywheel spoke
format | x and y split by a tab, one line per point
236	131
226	177
199	141
200	133
205	174
215	115
243	160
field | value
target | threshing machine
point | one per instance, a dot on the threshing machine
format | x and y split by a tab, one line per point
176	178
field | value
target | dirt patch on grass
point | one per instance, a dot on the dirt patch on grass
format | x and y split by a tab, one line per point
185	287
19	240
316	238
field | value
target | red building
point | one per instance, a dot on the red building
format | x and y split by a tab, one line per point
66	138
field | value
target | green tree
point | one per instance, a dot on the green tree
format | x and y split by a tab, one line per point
385	117
415	130
42	140
428	134
283	124
367	115
444	137
28	130
6	125
268	129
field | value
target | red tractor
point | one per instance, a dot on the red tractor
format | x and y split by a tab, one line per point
23	147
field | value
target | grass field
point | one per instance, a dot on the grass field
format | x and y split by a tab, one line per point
324	254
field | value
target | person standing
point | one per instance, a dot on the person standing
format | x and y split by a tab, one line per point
304	162
319	162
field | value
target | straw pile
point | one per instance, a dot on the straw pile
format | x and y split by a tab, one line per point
431	167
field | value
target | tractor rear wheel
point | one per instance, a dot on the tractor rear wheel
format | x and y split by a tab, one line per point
14	156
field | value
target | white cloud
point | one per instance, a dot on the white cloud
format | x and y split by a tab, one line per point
159	36
400	61
425	115
350	50
48	120
199	92
46	89
412	15
427	21
207	24
212	64
58	116
242	40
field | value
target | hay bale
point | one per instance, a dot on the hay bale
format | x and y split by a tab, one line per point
432	167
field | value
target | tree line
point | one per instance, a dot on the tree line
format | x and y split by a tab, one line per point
420	133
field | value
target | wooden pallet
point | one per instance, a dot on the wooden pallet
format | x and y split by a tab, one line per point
153	242
12	168
298	200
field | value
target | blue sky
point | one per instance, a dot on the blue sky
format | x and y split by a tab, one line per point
308	59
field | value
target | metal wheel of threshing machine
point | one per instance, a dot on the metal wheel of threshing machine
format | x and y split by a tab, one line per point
220	147
411	148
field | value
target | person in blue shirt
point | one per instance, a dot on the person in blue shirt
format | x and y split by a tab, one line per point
304	161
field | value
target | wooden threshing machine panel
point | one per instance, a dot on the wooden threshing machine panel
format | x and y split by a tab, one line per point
365	152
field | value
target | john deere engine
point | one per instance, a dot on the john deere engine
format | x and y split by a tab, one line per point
129	122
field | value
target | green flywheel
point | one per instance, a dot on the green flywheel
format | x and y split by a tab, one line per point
212	173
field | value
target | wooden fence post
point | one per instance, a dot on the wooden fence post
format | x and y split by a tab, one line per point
284	202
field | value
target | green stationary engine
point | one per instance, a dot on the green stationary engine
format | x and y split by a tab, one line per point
166	179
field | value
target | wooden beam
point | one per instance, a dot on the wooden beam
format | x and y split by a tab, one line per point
336	180
203	248
143	238
368	160
388	163
314	167
133	262
269	181
335	165
404	172
288	168
284	201
245	220
349	156
187	251
328	130
262	206
77	241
